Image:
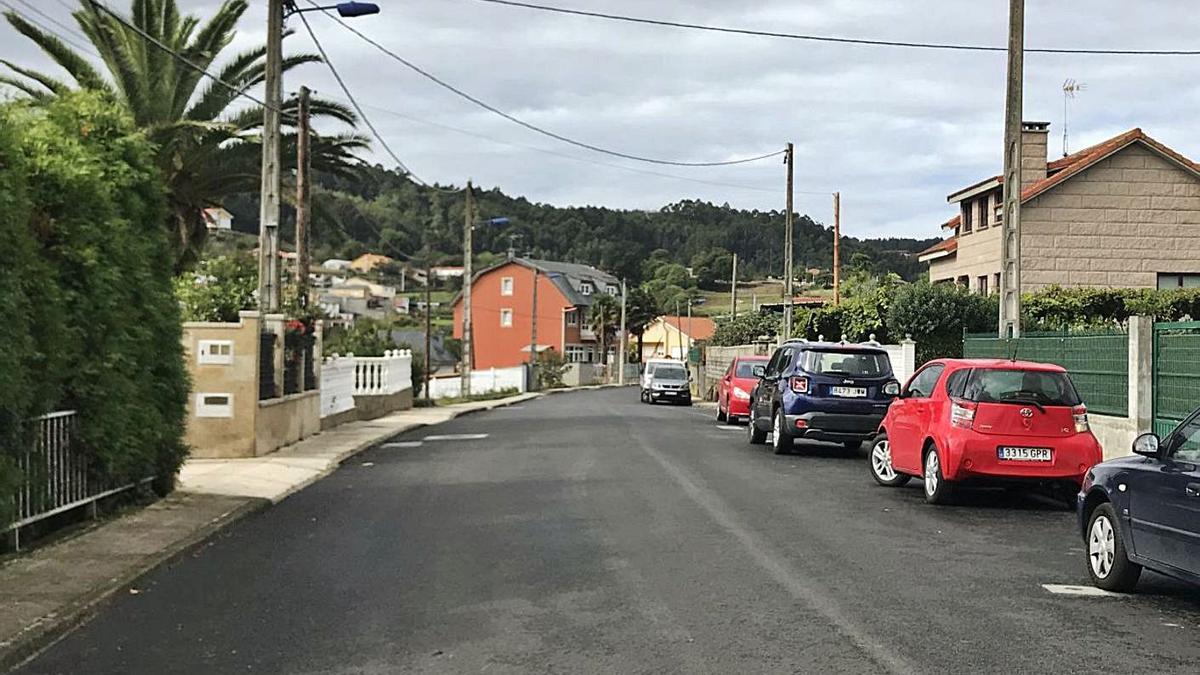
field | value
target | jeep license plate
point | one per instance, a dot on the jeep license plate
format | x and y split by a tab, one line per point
849	392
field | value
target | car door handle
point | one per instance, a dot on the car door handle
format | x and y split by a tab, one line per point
1193	489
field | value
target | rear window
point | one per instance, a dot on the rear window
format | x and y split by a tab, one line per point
851	364
670	372
746	368
1021	386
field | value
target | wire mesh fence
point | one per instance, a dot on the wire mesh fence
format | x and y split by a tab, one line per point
1176	373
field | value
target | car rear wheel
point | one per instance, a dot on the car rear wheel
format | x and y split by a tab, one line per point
781	441
755	435
721	416
937	488
1108	566
881	463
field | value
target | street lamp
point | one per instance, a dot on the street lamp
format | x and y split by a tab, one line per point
269	278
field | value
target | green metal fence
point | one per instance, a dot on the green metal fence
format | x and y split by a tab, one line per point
1097	360
1176	373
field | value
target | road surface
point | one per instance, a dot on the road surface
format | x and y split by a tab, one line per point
588	532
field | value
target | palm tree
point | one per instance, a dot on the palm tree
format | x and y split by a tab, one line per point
640	310
207	149
605	313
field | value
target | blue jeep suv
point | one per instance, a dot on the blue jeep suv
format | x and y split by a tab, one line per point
825	391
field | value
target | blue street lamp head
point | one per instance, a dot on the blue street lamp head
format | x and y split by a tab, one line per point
498	221
353	9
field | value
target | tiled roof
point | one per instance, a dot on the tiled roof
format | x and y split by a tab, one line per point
946	245
702	327
952	223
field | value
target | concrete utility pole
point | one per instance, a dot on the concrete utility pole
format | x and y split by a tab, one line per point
733	290
787	247
837	248
268	215
428	320
303	199
624	345
468	246
1010	241
533	353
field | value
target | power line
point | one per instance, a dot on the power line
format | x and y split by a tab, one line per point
49	30
838	40
532	127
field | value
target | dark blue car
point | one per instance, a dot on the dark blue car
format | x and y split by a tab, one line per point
1144	510
825	391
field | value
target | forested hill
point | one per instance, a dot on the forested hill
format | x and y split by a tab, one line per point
383	211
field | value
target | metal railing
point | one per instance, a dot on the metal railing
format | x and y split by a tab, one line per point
55	475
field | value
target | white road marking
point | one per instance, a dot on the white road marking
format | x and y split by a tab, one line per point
456	437
1087	591
725	427
402	444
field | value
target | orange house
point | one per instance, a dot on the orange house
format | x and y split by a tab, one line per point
502	311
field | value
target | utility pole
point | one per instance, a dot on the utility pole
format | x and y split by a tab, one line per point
787	247
468	246
428	319
268	216
837	248
689	325
678	326
303	198
533	353
733	291
624	346
1010	242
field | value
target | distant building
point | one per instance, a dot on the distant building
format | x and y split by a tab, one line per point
671	336
446	272
217	218
502	311
336	264
367	262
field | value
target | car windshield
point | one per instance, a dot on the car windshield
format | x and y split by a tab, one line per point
853	364
1021	386
670	373
746	368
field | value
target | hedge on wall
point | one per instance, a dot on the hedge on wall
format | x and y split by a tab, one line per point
104	319
936	315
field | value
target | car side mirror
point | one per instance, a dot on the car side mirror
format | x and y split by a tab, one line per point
758	371
1147	445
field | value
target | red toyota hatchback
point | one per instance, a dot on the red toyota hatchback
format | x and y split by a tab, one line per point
984	420
733	391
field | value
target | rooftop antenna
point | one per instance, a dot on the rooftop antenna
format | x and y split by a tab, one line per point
1070	87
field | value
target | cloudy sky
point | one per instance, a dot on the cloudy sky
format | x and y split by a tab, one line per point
895	130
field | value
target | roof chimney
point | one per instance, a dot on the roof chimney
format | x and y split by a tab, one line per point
1035	137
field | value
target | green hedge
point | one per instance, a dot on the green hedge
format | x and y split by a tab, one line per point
93	319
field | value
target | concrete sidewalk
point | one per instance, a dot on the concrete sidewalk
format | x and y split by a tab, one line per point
46	593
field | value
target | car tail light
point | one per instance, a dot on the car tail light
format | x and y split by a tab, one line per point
801	424
962	414
891	388
1081	420
799	385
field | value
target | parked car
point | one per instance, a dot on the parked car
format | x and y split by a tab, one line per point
983	420
821	391
670	382
1144	510
647	371
733	390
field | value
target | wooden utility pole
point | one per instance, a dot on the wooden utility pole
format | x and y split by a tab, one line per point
428	320
837	248
468	248
303	198
268	215
533	353
624	346
1010	241
733	290
787	247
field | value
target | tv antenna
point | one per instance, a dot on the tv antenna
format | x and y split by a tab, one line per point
1070	87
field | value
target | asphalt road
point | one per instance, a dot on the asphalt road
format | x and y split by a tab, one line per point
591	533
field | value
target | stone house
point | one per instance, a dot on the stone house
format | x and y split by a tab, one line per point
1122	213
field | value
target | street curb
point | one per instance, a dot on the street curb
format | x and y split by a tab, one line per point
53	628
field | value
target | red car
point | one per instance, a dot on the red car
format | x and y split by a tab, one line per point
733	391
985	420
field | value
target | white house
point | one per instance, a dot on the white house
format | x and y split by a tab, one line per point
217	218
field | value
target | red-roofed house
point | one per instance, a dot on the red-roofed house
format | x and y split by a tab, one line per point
1122	213
672	336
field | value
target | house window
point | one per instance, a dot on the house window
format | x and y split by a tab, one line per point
967	213
572	317
586	288
983	284
996	279
612	290
1170	280
983	213
506	318
964	281
506	286
576	354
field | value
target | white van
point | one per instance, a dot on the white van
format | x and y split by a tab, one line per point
648	371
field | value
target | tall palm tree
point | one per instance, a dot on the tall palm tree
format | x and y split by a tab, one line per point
605	313
208	143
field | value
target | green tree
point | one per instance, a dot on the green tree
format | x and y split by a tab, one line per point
207	148
640	310
745	329
936	315
218	289
604	314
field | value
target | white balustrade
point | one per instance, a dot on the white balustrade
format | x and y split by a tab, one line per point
383	375
337	385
